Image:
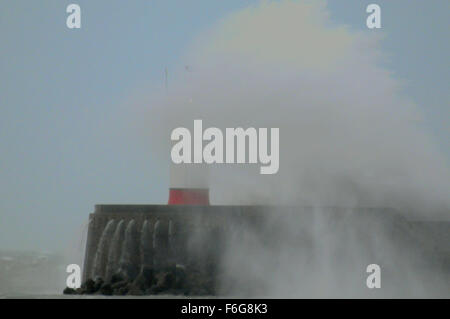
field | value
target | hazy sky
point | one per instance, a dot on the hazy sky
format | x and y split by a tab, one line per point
66	140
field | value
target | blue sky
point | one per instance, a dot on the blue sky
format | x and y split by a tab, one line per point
63	144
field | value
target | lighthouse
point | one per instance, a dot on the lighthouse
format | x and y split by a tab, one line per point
188	184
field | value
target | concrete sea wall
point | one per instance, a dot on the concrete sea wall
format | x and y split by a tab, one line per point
148	249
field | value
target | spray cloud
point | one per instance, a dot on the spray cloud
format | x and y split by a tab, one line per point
349	137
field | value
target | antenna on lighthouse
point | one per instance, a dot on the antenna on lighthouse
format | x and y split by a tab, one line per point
166	76
188	70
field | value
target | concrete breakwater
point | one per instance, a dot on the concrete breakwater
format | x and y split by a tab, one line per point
159	248
174	249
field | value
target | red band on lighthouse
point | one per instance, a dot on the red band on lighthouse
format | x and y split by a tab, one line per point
188	184
188	196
